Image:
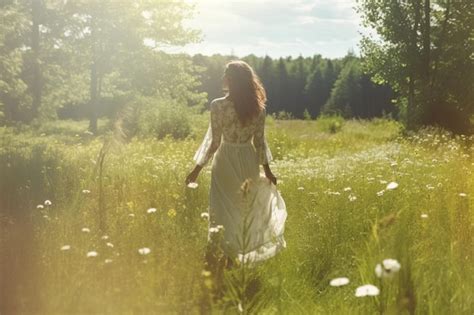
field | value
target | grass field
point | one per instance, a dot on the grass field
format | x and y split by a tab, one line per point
345	215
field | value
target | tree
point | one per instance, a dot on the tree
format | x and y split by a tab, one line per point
113	32
415	38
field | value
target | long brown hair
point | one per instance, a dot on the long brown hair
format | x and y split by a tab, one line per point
246	90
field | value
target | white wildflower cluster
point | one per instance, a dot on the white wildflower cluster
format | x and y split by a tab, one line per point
386	269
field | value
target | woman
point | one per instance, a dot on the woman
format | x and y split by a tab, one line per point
243	206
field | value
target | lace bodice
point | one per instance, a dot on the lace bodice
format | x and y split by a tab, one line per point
225	124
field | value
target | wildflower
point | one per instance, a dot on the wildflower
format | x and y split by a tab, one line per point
206	273
220	227
151	210
392	186
92	254
108	261
387	268
300	188
347	189
48	203
380	193
367	290
131	215
424	216
352	197
39	207
109	245
105	237
338	282
213	230
462	195
86	230
193	185
205	215
86	191
66	247
171	213
144	251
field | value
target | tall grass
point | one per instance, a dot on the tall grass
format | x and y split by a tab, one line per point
342	221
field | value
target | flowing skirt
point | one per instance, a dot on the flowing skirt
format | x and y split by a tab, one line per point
247	205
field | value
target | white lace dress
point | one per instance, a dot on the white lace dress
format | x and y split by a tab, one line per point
253	222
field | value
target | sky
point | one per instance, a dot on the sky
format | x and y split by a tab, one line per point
275	27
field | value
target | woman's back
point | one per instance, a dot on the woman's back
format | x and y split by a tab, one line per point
228	121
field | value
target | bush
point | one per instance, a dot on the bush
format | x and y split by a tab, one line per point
156	118
331	124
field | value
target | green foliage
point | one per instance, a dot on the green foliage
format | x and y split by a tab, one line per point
337	223
330	123
421	46
157	118
306	115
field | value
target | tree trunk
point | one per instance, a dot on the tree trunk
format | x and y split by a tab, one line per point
426	102
36	84
94	81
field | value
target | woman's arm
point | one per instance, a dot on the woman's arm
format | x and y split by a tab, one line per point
209	145
263	151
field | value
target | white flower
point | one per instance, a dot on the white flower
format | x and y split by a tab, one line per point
380	193
151	210
108	261
66	247
367	290
387	268
352	197
424	216
213	230
462	195
220	227
392	186
86	191
144	251
48	203
40	207
131	215
347	189
193	185
338	282
109	245
85	230
92	254
205	215
300	188
105	237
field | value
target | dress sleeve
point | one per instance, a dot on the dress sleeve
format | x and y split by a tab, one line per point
212	139
263	151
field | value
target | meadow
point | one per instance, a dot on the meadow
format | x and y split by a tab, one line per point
103	225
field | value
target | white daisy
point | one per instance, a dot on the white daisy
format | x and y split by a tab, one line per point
392	186
193	185
144	251
40	207
387	269
66	247
205	215
367	290
92	254
48	203
85	230
151	210
338	282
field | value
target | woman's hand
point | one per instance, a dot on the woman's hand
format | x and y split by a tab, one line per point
269	174
191	178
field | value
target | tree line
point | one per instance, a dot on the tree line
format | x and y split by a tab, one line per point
307	86
90	58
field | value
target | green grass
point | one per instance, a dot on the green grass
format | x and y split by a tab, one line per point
327	234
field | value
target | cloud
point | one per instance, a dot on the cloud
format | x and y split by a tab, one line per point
276	27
